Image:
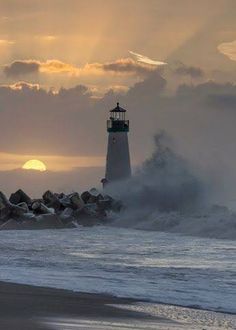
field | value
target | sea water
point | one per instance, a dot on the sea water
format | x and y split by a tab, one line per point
155	266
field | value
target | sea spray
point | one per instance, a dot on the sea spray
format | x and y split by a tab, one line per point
166	194
164	182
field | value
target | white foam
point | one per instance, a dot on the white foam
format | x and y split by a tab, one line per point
212	222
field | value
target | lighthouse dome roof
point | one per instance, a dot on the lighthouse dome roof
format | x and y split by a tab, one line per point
118	108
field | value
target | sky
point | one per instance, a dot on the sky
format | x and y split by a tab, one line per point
65	63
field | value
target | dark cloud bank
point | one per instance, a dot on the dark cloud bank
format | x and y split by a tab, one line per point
19	68
127	66
199	118
192	71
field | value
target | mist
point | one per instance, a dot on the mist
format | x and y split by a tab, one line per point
164	182
168	193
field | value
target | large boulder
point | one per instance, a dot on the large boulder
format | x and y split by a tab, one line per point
18	211
96	196
3	199
51	200
40	208
76	201
86	196
60	195
89	198
73	201
20	197
49	221
65	201
105	204
5	207
67	215
94	192
28	216
67	218
24	206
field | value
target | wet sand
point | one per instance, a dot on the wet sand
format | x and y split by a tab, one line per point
22	305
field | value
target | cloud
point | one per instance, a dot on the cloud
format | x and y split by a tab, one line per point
24	67
118	89
21	85
150	88
38	117
125	66
31	112
56	66
228	49
18	68
192	71
223	101
146	60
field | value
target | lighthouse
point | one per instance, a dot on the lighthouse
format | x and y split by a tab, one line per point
118	157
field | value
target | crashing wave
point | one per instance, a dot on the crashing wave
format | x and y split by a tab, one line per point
165	194
215	222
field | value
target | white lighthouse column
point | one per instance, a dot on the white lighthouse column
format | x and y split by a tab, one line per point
118	158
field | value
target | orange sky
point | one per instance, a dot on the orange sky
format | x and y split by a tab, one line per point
60	57
52	163
81	35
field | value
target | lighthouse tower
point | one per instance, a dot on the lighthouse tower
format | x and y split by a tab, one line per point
118	158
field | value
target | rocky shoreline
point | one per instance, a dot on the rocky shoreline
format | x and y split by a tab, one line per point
55	210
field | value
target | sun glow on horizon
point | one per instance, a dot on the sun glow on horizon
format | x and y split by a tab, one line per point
34	164
53	163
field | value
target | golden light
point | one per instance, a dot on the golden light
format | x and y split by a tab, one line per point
34	164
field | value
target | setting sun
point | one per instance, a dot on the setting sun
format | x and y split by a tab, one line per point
34	164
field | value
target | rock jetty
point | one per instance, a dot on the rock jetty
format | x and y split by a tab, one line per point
55	210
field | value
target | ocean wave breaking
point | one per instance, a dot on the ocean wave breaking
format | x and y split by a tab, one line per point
166	194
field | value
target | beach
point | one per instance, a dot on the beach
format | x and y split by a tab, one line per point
26	307
30	307
115	278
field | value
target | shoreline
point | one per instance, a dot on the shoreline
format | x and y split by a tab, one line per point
13	293
28	307
117	299
22	304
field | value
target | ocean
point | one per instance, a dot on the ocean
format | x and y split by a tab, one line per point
153	266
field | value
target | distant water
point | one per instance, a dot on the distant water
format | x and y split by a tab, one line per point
155	266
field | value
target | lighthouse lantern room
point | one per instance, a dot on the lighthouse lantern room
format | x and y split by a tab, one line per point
117	122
